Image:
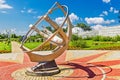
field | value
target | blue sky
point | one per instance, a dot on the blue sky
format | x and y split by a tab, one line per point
17	15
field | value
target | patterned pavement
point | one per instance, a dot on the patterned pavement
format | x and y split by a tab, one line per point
74	65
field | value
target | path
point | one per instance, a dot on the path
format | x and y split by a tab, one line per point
16	47
16	56
74	65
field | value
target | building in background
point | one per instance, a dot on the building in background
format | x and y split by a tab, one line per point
104	31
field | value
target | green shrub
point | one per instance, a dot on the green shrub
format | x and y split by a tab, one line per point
101	38
105	38
75	38
79	43
88	38
109	48
114	39
117	38
96	38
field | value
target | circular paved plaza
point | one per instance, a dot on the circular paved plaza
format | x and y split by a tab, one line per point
74	65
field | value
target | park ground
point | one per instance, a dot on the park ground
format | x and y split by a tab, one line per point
74	65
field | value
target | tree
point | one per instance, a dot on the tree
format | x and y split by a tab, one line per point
84	26
49	28
3	36
14	36
119	16
65	29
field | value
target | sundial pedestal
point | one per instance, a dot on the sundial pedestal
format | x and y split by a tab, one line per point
46	68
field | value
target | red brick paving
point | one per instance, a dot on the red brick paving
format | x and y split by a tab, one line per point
81	69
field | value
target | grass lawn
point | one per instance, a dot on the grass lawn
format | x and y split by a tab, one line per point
32	45
4	47
101	44
91	45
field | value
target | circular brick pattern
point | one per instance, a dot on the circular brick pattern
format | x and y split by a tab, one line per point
69	70
20	74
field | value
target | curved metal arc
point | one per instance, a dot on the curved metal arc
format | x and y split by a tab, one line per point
60	49
45	14
40	20
49	57
45	41
65	13
43	17
69	32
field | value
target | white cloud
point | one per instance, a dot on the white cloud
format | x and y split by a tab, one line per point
3	5
109	21
97	27
95	20
106	1
105	13
30	11
116	11
60	20
111	9
73	17
98	20
77	30
101	15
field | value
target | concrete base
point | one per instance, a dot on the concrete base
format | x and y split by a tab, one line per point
46	68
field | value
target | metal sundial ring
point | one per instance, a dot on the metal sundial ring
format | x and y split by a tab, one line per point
61	43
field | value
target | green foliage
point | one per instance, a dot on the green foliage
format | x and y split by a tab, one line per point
119	16
32	45
36	44
96	38
79	43
89	43
84	26
106	46
3	36
49	28
5	47
65	29
101	38
117	38
14	36
75	37
87	38
33	38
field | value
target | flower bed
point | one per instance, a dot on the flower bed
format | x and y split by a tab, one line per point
5	51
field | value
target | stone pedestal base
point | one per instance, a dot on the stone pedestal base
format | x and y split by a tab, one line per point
47	68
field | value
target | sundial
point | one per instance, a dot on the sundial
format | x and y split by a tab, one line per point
46	63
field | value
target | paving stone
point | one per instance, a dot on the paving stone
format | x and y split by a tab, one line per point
74	65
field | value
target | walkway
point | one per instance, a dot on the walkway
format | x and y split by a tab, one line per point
74	65
16	56
16	47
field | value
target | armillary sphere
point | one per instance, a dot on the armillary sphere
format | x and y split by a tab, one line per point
47	65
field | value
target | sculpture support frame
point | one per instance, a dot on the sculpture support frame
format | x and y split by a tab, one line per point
46	63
